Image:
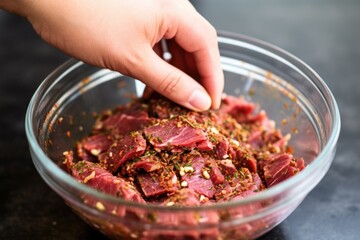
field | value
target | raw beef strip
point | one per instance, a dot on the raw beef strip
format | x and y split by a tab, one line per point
243	157
227	167
124	121
157	183
94	175
184	197
169	134
238	108
195	179
148	163
128	147
281	167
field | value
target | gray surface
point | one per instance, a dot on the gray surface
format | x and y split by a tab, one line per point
325	34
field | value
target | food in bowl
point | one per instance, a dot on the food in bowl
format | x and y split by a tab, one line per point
152	150
60	113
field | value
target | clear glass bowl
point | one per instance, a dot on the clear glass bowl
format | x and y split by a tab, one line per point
61	109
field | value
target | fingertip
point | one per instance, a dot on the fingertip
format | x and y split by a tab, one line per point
199	100
216	104
174	84
216	101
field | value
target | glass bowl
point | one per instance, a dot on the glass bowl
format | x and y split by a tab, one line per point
61	112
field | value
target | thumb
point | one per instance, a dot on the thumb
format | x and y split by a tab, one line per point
172	83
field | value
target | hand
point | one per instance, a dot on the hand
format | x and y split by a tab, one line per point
123	35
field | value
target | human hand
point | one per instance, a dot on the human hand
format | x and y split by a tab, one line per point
122	35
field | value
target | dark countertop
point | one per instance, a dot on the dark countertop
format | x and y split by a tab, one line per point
323	33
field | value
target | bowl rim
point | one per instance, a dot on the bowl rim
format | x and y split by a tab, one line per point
224	37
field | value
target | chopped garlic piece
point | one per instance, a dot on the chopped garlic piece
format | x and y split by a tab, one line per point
184	184
235	142
100	206
95	152
206	174
214	130
89	177
202	198
188	169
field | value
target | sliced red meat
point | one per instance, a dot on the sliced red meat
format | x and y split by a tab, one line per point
255	139
205	145
237	107
223	192
239	185
260	118
300	163
280	167
92	174
282	143
215	174
183	197
123	123
157	183
244	158
125	148
259	138
169	155
222	148
148	163
95	176
97	143
90	147
227	167
195	179
253	186
83	154
168	134
161	108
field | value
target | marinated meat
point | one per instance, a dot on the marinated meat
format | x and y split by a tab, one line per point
94	175
125	148
176	133
153	150
280	167
158	182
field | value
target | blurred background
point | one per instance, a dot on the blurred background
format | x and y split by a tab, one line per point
323	33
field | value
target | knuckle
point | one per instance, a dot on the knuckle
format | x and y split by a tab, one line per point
133	60
128	63
170	84
212	34
212	31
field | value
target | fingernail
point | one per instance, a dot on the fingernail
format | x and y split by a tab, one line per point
216	105
200	100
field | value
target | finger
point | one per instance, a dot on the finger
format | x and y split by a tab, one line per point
182	59
171	82
197	36
211	74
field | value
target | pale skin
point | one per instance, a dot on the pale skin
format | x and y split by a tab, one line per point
124	35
